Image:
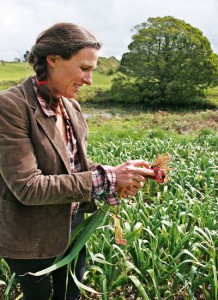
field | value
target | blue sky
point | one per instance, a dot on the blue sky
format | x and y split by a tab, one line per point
111	20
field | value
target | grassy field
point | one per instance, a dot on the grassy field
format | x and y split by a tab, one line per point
11	73
171	229
160	124
14	71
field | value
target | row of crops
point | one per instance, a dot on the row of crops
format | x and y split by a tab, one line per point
171	229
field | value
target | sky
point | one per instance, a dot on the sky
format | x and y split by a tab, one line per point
110	20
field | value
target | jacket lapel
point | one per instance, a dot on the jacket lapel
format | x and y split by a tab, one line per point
47	124
53	134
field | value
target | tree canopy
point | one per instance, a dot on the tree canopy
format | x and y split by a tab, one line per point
167	59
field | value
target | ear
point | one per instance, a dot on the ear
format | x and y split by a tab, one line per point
51	59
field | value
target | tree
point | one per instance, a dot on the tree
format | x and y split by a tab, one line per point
169	59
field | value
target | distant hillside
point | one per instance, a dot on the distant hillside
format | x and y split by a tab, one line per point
14	70
108	66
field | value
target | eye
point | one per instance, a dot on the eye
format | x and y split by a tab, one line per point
87	68
84	69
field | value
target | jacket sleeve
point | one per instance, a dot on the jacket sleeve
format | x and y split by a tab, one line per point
19	167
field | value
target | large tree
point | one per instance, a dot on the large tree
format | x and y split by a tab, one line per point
168	59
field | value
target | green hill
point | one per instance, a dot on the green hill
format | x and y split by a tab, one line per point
13	73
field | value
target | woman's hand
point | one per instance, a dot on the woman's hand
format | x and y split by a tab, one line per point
131	175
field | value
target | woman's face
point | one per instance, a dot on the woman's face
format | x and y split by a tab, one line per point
65	77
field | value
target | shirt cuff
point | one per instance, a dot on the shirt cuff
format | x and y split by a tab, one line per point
104	185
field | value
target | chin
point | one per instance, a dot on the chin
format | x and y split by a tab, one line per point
70	95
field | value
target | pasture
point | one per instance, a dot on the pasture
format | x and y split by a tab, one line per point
13	72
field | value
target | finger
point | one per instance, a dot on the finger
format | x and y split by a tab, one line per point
143	172
137	184
128	193
124	194
133	189
137	177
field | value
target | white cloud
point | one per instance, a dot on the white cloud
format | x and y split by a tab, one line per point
111	20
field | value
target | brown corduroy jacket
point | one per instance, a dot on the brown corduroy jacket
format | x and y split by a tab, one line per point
36	188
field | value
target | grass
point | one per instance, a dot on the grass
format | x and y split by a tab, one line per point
12	73
160	124
102	80
213	93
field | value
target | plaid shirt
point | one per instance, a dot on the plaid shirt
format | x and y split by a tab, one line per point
103	178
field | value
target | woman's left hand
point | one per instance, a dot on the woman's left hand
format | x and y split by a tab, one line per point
131	175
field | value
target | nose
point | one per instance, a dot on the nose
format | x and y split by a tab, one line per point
87	79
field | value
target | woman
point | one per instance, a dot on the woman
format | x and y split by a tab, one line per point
46	180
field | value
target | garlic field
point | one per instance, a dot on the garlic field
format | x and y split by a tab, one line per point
171	229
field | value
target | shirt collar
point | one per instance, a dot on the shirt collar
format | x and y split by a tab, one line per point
44	106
